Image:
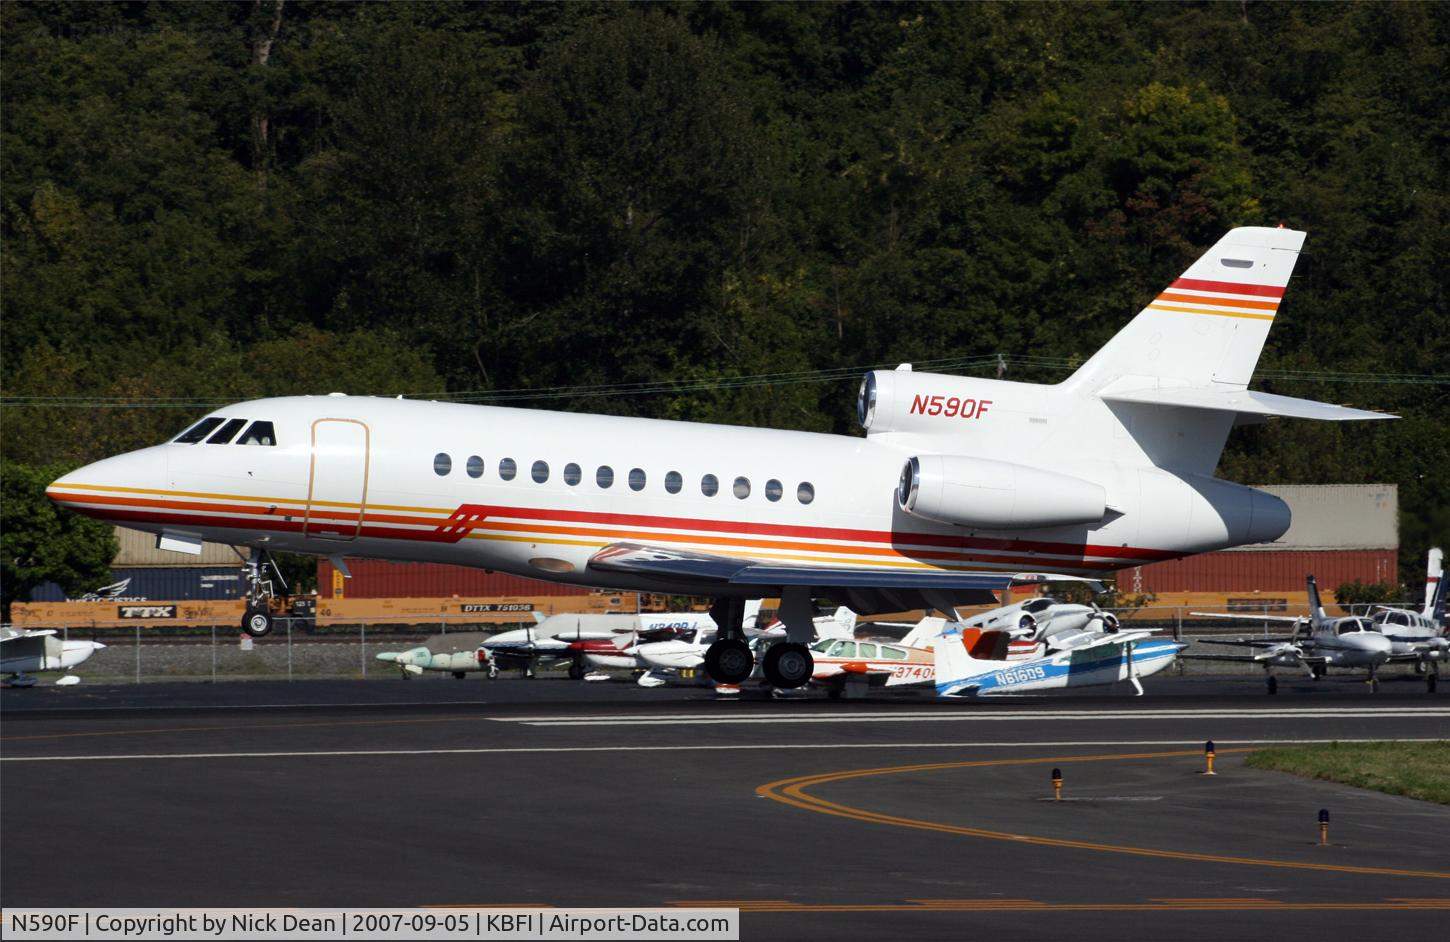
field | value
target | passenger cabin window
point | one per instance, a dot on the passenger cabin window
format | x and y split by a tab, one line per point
604	477
259	433
773	490
442	464
540	472
893	654
636	479
198	431
475	466
805	492
507	469
227	432
709	485
868	649
572	474
847	649
742	488
673	482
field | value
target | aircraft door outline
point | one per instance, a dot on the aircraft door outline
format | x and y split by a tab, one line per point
338	478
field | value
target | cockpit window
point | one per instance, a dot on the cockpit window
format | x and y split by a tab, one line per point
198	431
260	433
227	432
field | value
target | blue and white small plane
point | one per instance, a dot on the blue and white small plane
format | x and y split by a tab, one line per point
973	663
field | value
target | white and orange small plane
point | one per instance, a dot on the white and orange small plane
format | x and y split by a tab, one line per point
959	487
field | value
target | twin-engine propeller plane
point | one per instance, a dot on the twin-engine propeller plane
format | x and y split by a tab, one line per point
956	490
1315	645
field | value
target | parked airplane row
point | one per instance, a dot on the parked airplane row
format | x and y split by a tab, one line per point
953	494
974	659
1317	643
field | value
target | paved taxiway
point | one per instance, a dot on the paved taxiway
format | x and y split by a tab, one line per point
890	817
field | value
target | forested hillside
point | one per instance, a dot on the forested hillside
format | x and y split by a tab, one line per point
547	204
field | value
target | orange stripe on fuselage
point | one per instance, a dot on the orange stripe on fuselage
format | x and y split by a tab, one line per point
1036	550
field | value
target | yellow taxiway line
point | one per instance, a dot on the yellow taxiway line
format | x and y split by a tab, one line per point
792	791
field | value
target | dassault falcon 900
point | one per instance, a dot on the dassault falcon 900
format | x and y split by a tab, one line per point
958	487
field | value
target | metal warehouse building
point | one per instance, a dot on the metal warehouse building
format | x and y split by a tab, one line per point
1339	533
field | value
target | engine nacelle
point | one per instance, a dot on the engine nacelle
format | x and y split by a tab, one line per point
906	401
996	495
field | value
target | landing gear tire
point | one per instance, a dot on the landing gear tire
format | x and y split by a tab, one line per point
1374	685
492	670
729	661
257	622
1431	681
576	669
1420	667
459	675
788	665
1273	685
1317	671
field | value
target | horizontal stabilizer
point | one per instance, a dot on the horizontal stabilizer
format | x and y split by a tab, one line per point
1244	402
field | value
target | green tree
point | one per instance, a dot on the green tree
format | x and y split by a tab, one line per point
40	542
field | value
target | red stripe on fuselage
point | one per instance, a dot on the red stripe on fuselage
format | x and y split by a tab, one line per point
896	539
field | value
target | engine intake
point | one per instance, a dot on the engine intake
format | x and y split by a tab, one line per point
999	495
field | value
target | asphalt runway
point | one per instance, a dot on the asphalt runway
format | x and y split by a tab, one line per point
891	817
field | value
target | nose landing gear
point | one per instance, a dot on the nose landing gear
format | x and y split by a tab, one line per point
258	620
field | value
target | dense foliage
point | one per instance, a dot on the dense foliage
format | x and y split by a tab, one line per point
206	202
41	543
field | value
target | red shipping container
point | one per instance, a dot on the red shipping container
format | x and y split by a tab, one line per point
381	579
1267	571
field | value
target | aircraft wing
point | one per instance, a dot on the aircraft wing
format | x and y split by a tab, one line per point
1249	616
1087	641
1247	642
863	589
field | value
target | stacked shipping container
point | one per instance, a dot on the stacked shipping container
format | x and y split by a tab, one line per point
1340	533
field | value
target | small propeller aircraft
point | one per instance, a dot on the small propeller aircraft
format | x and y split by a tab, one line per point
1315	645
23	652
415	661
1419	636
973	663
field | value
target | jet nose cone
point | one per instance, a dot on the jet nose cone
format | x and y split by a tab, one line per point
90	488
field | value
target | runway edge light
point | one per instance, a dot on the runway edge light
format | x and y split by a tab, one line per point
1323	827
1057	784
1208	758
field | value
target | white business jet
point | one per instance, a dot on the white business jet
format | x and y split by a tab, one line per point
956	489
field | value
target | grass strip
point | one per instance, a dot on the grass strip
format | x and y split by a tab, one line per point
1414	769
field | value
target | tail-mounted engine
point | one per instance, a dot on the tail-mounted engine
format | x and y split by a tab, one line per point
906	401
986	494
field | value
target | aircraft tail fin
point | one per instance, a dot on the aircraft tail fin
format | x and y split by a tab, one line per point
1208	327
1316	608
928	628
1434	582
973	651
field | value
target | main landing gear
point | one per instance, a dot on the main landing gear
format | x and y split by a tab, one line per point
728	660
257	621
786	665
